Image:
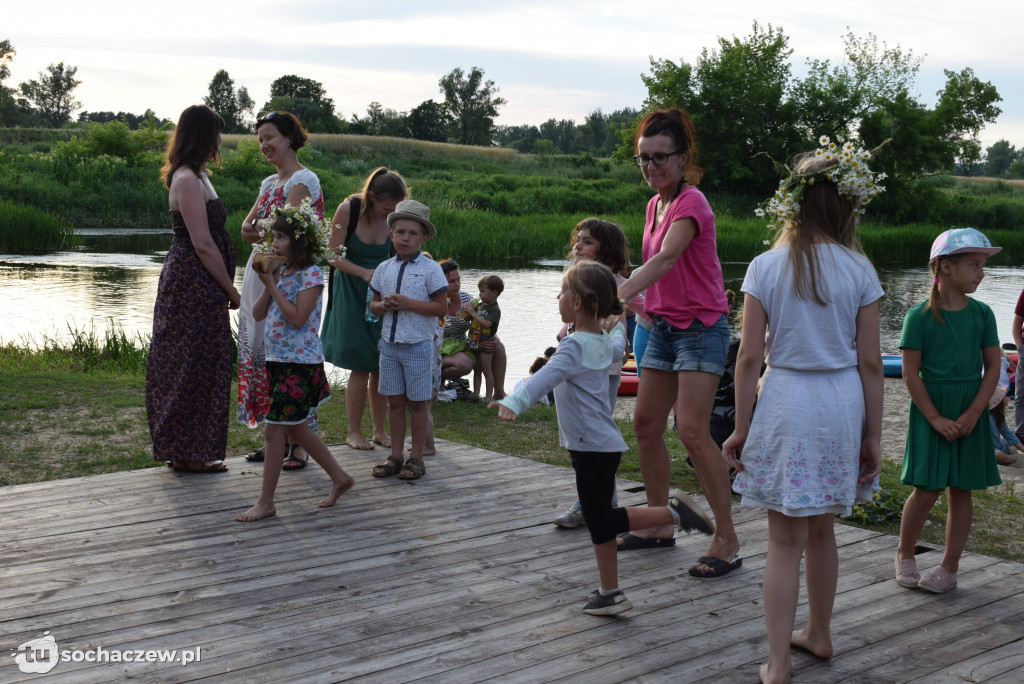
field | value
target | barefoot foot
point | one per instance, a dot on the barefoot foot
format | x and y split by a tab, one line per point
337	490
357	441
257	512
819	645
771	676
383	439
427	451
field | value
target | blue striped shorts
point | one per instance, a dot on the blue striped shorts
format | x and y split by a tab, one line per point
407	368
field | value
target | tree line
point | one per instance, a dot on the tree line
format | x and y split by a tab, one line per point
748	108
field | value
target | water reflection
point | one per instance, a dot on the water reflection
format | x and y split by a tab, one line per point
44	295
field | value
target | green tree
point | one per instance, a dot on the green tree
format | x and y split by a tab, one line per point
737	97
429	121
7	53
306	99
246	108
965	105
998	158
591	136
1017	167
832	100
226	101
51	95
522	137
561	133
7	104
472	104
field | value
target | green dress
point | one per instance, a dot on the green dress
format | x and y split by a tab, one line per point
350	341
951	365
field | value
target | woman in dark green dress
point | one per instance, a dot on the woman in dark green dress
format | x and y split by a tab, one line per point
349	339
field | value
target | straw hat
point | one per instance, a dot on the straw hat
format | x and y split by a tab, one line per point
417	211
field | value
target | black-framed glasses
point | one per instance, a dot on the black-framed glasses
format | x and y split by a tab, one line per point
659	158
450	265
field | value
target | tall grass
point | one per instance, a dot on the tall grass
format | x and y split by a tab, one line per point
81	351
28	230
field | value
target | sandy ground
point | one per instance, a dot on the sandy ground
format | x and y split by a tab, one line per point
894	428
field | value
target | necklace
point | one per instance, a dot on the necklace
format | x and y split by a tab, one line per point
665	205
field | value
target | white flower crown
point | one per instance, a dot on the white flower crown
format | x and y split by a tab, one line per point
854	180
307	225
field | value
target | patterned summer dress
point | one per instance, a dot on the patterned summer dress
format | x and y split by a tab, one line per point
253	387
188	375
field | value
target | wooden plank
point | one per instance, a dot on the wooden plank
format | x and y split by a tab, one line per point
457	577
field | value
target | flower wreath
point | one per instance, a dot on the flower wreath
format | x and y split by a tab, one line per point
307	225
854	180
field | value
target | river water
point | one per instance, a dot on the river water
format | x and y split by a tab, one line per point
112	280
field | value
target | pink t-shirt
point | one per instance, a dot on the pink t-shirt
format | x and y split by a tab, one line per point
693	288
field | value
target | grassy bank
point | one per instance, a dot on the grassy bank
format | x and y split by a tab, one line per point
78	409
491	204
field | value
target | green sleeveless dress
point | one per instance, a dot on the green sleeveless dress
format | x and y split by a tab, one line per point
350	341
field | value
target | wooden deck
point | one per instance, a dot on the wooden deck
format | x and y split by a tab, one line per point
458	577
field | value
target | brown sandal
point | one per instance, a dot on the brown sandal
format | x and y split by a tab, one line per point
414	469
387	468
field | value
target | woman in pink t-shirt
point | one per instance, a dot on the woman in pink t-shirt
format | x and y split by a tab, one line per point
685	355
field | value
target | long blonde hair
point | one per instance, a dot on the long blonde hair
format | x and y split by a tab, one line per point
824	216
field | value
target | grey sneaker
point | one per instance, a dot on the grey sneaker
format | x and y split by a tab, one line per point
572	518
690	515
612	604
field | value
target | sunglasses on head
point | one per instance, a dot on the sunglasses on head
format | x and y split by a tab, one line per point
449	266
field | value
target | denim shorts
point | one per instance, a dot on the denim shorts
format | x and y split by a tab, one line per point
697	348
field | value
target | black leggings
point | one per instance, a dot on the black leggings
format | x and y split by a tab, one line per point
595	482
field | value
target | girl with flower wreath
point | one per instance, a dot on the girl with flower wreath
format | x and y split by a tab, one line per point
281	135
813	447
290	304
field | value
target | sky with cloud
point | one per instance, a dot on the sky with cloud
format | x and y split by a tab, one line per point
549	59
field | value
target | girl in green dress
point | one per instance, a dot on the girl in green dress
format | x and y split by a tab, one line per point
349	338
946	341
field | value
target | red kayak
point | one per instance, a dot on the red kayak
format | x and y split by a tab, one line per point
628	383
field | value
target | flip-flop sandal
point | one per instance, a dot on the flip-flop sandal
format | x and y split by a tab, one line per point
255	457
631	542
293	462
720	567
387	468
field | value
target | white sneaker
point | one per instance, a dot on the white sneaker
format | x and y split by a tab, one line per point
572	518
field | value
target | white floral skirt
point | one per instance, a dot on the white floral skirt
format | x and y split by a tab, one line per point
802	456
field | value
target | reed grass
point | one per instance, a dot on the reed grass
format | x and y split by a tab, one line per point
80	351
28	230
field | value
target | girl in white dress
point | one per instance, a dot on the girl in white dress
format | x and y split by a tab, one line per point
814	446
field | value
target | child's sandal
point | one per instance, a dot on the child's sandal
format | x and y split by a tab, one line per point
414	469
387	468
